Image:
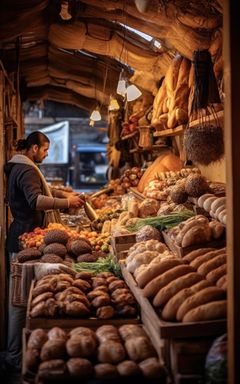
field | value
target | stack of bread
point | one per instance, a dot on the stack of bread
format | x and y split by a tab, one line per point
103	296
82	353
188	289
216	206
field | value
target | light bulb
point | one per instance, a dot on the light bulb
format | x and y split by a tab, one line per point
95	115
122	85
133	92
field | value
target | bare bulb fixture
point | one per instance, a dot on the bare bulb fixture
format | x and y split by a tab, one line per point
95	115
64	13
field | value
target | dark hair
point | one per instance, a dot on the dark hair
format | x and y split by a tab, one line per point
34	138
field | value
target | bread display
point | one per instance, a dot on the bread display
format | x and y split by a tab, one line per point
103	296
83	353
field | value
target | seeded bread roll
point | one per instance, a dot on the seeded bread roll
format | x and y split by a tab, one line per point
155	270
153	287
208	266
209	311
206	295
169	311
175	286
217	273
80	368
81	345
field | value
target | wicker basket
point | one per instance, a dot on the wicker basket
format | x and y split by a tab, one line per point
22	276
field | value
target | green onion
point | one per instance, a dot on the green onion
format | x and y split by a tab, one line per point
103	264
162	222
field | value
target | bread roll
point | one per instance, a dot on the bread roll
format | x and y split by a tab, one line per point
82	284
116	285
205	257
208	266
81	368
82	331
41	297
105	371
57	333
105	312
126	310
206	295
209	311
153	271
76	309
207	203
39	310
128	368
84	275
151	368
77	297
60	296
185	281
32	357
108	332
169	311
139	348
161	281
222	281
197	252
111	352
203	198
37	338
53	349
217	203
198	234
217	273
128	331
81	345
52	370
47	287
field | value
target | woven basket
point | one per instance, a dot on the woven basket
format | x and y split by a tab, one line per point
22	275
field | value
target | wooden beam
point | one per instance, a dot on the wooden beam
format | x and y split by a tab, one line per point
2	216
231	60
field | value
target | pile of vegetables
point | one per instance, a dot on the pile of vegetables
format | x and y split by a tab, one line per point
103	264
162	222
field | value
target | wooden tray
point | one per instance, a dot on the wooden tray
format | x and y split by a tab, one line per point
122	243
68	322
180	251
169	330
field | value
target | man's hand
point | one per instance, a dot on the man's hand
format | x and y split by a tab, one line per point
74	200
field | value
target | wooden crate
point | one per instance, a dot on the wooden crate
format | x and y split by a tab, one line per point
182	346
122	243
68	322
180	251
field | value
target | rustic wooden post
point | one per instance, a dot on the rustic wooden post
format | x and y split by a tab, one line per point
2	216
231	58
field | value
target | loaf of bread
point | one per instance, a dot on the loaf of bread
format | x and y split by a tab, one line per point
53	349
155	270
206	295
208	266
82	331
197	252
152	369
169	311
111	352
165	293
105	371
128	368
139	348
128	331
81	346
206	257
210	311
161	281
106	333
37	338
222	282
52	370
80	368
57	333
105	312
217	273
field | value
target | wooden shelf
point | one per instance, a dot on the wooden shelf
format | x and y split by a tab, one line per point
170	132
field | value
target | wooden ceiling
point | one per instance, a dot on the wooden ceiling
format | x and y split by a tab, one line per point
78	61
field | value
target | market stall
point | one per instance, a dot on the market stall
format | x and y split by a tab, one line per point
155	250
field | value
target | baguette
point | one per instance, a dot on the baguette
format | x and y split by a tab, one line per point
174	287
170	309
208	256
159	282
209	311
197	252
217	273
208	266
201	233
217	203
206	295
152	271
207	203
203	198
221	282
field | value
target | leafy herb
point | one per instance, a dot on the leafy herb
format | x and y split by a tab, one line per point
103	264
162	222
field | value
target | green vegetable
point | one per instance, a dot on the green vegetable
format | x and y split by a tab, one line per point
103	264
162	222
